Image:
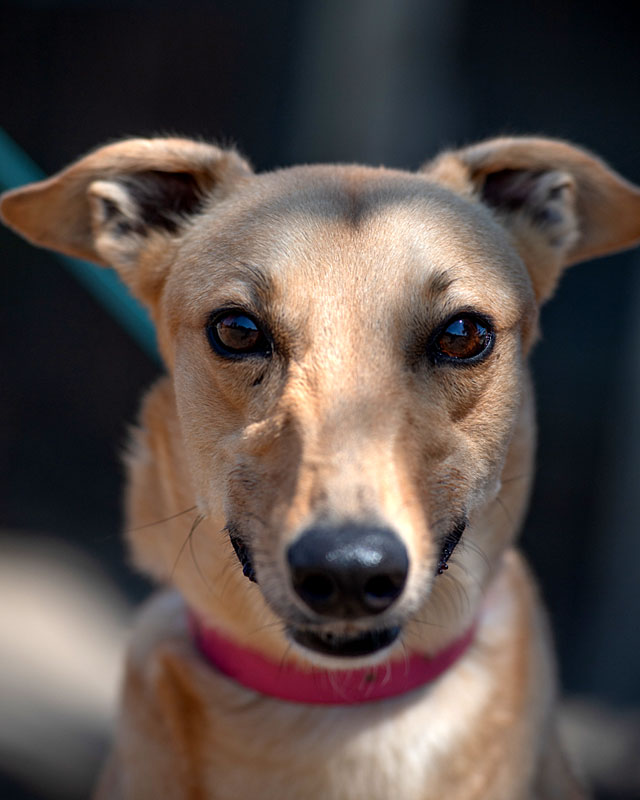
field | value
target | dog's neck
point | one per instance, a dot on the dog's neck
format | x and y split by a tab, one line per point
288	681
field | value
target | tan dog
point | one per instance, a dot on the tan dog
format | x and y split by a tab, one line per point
348	407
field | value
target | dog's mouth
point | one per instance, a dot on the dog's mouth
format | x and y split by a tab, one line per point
449	544
345	645
328	643
340	644
244	556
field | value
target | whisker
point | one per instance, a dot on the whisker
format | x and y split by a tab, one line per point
515	478
405	656
107	538
194	525
387	674
475	547
193	556
333	683
231	565
266	626
474	578
428	623
160	521
507	513
287	650
461	592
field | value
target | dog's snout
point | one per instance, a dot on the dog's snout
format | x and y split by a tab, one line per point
348	571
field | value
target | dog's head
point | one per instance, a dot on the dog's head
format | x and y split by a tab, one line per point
348	353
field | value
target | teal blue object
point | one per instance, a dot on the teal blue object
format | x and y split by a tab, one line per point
16	169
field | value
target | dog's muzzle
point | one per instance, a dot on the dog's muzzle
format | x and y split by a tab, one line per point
344	574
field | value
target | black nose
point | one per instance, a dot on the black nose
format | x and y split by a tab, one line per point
348	571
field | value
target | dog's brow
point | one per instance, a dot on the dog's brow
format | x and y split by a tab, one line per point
247	283
345	195
261	283
438	283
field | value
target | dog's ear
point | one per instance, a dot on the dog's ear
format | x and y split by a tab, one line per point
122	200
561	204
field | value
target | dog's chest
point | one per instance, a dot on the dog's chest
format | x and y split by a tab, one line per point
398	748
342	754
224	742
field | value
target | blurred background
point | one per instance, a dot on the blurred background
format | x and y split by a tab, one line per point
379	81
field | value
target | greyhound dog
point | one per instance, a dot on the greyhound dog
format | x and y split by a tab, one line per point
320	481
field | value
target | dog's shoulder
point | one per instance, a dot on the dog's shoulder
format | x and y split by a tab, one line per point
163	716
160	623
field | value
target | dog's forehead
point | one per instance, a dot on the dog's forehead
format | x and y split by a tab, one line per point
333	231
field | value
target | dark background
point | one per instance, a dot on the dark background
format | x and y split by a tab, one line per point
381	82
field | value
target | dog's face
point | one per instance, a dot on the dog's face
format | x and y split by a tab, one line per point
348	350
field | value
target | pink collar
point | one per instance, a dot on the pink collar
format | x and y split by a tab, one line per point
324	687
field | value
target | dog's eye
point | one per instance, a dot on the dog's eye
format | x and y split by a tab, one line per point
235	334
464	337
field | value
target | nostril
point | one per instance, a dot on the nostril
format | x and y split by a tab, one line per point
316	589
381	590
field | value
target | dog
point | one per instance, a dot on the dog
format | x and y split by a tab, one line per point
330	479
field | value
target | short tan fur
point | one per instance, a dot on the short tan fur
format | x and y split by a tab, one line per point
352	416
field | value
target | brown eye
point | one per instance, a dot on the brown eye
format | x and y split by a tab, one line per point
235	334
463	338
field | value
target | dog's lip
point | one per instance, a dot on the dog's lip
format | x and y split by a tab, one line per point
363	643
243	553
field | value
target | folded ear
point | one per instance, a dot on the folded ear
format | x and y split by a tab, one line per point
112	205
561	204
